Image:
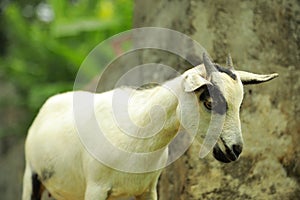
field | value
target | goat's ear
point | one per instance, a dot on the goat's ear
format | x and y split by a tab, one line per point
251	78
192	82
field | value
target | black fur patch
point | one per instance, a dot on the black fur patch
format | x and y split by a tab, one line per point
226	71
251	81
219	104
36	187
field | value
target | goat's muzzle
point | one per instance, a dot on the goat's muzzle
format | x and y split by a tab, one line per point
230	154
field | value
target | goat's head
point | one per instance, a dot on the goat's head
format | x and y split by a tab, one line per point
220	91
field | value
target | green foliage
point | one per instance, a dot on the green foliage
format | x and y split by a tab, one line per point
46	43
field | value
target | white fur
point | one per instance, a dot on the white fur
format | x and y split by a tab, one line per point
53	145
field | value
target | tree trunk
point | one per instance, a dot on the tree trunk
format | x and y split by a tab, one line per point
262	37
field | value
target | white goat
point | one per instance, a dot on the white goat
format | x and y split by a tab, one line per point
57	160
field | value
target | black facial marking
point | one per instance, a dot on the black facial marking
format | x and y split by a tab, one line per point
230	154
219	104
226	71
220	155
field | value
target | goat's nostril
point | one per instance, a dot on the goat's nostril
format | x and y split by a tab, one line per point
237	149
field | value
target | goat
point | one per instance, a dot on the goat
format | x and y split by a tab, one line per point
57	160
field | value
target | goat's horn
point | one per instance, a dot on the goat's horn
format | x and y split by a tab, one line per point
229	62
209	66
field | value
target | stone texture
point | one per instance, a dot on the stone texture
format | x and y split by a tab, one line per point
262	37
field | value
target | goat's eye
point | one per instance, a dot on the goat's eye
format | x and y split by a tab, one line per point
208	104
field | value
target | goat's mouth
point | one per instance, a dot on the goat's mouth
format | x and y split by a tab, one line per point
225	157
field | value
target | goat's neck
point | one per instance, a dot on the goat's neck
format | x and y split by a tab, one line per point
155	113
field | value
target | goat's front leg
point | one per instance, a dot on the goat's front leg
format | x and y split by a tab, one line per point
96	192
150	194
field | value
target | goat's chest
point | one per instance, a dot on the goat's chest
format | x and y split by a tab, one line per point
133	184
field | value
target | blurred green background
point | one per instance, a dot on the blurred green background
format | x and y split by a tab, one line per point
43	44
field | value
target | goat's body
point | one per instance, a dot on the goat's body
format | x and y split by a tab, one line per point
60	159
45	157
55	153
